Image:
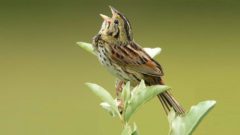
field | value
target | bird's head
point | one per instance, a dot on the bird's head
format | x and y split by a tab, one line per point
116	28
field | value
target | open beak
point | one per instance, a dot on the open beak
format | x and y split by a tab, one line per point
105	18
113	10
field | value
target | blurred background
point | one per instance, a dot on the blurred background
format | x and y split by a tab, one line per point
43	71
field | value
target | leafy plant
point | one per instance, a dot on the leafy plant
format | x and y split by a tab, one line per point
134	98
185	125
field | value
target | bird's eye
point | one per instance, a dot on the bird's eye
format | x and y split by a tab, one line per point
116	22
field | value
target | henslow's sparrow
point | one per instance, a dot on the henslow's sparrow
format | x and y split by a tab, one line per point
124	58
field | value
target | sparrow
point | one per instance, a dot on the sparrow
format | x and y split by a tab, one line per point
124	58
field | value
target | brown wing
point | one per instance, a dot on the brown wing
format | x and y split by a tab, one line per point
133	57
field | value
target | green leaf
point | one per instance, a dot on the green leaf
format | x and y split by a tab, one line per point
135	131
142	96
127	130
86	46
109	109
126	93
139	88
152	52
185	125
105	96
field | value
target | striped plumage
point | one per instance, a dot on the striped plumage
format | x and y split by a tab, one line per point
117	51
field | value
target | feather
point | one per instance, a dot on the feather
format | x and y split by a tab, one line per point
133	57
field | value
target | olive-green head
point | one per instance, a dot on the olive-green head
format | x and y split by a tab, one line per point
116	27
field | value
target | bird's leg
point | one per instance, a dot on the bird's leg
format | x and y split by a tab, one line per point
119	88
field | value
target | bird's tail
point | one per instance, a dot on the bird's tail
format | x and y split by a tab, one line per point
168	102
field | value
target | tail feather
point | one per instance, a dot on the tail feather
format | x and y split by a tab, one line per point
164	104
168	102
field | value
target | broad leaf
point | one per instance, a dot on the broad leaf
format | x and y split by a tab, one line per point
152	52
126	93
142	96
127	130
109	109
185	125
86	46
135	130
104	95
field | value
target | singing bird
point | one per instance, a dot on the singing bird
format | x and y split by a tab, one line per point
125	59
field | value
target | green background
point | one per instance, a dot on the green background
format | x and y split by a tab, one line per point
43	71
